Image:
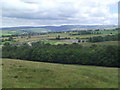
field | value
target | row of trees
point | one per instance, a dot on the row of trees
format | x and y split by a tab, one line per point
67	54
59	38
104	38
85	33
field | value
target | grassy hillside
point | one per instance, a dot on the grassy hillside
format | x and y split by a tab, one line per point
28	74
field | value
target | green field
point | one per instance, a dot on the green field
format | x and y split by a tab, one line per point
101	43
5	32
107	32
28	74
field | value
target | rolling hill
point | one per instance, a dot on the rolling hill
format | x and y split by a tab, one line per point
42	29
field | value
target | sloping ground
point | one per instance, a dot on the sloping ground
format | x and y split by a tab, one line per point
28	74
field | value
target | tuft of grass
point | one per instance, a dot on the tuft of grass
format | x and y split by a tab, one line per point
49	75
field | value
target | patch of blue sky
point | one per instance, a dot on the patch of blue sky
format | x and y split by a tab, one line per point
114	8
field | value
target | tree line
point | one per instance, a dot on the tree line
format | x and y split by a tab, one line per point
66	54
85	33
104	38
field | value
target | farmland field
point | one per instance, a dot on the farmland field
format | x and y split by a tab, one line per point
28	74
47	38
54	35
5	32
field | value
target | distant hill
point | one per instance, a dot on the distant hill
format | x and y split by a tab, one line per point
59	28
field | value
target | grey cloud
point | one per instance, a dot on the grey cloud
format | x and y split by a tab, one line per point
62	11
41	12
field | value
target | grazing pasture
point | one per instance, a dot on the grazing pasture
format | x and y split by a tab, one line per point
28	74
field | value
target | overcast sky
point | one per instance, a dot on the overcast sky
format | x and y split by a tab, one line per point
58	12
